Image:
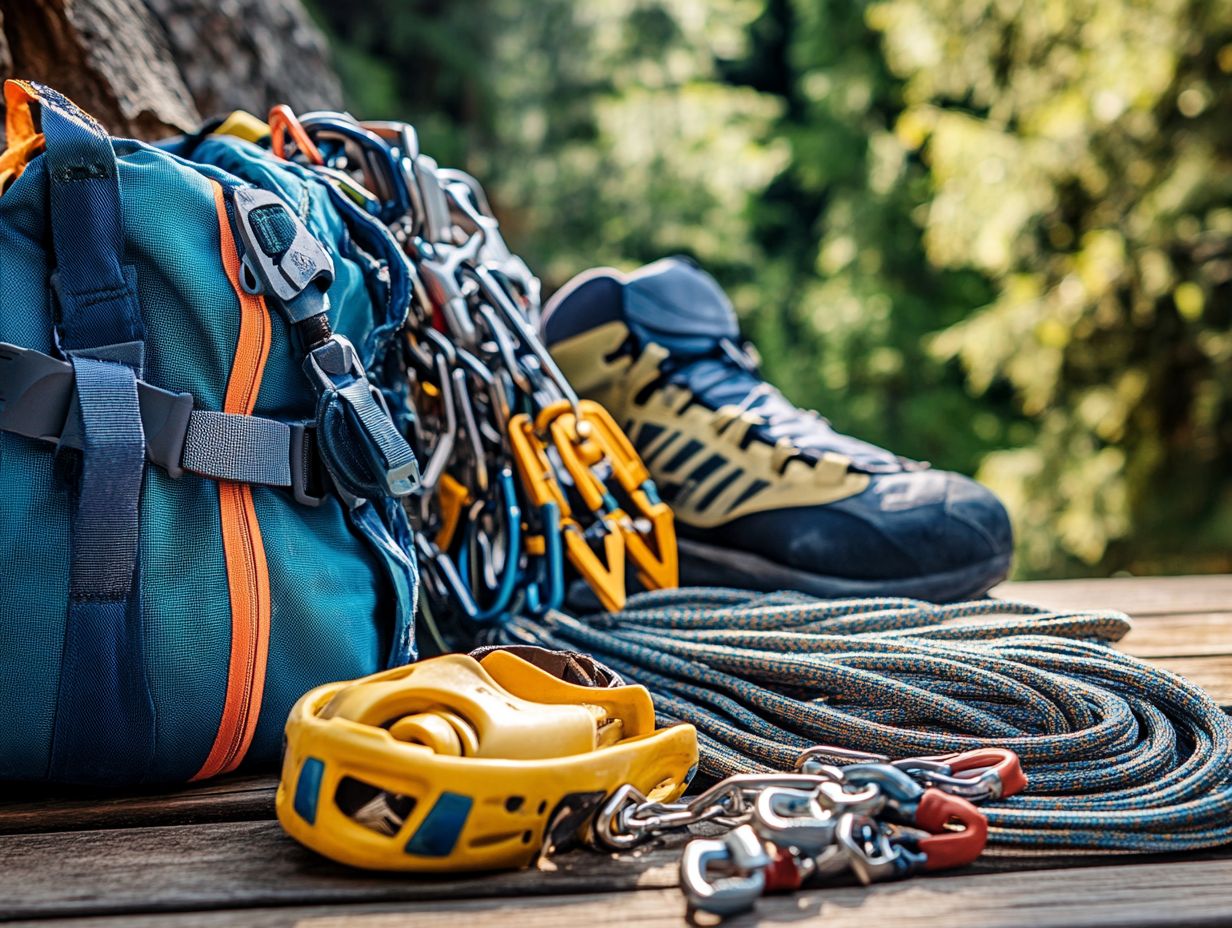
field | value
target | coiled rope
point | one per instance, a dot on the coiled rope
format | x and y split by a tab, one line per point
1121	756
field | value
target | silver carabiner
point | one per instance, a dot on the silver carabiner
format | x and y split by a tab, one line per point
840	798
438	268
868	851
725	875
794	818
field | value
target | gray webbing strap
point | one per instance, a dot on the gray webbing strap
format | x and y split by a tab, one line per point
38	399
246	449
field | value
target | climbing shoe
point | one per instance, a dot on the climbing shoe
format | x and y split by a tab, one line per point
767	496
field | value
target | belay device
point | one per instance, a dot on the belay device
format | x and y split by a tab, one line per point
463	764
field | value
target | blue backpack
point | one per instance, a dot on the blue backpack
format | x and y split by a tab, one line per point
199	468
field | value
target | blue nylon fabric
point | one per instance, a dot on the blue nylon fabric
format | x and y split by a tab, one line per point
34	518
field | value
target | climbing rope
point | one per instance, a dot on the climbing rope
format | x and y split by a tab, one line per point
1120	755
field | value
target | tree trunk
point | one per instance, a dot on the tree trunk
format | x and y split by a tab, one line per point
149	68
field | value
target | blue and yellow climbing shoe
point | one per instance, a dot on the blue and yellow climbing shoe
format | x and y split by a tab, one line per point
767	496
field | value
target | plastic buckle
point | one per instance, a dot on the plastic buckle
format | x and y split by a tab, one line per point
335	368
38	400
282	254
305	476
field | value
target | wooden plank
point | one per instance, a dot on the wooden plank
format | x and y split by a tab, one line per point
1200	634
1139	596
254	865
1184	893
1213	674
32	809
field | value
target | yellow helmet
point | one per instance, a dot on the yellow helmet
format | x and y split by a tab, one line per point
457	764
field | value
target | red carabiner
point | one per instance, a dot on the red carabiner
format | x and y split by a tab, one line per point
999	762
944	847
999	766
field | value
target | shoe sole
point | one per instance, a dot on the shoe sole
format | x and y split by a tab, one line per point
705	565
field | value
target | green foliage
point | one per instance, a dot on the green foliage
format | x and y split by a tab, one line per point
993	235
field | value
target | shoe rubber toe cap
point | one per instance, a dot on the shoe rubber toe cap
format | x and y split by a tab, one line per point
906	524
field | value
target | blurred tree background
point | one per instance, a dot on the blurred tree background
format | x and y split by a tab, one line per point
994	235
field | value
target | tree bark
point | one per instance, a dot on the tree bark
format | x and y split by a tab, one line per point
249	54
150	68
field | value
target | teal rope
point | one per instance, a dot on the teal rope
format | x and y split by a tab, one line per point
1121	755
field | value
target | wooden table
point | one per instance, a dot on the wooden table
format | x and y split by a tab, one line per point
213	855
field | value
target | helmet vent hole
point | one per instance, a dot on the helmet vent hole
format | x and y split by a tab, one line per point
513	803
376	809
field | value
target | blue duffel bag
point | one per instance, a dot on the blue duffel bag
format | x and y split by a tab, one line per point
199	471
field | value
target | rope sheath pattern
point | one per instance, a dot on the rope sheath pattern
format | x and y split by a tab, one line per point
1121	755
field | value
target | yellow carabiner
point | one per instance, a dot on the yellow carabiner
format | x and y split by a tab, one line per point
452	497
596	440
604	575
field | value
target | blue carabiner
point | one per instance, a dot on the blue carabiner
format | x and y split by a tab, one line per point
379	162
548	570
509	579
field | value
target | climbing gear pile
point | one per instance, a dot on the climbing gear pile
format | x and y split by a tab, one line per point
499	758
200	474
455	763
1121	756
518	474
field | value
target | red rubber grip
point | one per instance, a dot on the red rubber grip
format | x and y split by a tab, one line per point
943	848
782	876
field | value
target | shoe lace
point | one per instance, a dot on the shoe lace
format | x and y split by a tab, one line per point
729	377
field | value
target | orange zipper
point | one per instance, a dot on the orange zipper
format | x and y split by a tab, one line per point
243	549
